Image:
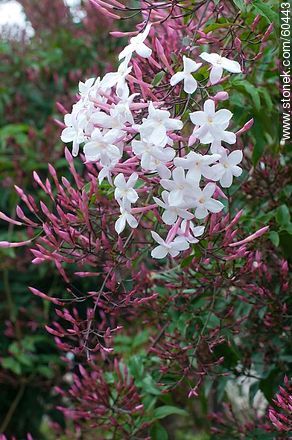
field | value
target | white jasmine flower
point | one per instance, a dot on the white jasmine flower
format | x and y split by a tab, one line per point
198	165
125	189
124	218
190	84
74	130
203	203
180	186
190	231
171	213
85	87
137	45
212	124
118	78
153	157
173	248
101	147
229	167
218	64
157	124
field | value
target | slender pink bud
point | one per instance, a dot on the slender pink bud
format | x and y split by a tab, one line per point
268	32
246	127
251	237
9	220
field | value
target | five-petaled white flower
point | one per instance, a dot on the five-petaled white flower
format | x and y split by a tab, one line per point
218	64
153	157
171	213
74	132
125	217
137	45
212	124
198	165
229	167
157	124
101	148
180	186
118	78
125	189
203	202
190	84
173	248
190	231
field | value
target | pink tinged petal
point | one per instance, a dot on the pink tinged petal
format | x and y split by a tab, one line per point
198	118
209	107
159	252
235	157
236	171
120	224
157	238
216	74
201	212
143	50
169	217
175	79
214	205
222	116
231	65
209	190
190	84
227	178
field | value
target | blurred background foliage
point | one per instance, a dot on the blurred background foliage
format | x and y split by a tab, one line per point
36	72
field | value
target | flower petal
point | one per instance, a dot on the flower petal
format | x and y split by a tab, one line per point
216	74
159	252
176	78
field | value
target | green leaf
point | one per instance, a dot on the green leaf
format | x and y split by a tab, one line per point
158	78
167	410
265	11
274	237
283	215
158	432
240	4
